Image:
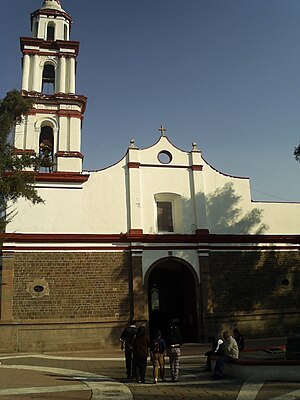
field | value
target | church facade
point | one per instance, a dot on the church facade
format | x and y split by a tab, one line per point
159	236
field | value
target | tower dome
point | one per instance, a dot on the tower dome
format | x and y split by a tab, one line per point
52	5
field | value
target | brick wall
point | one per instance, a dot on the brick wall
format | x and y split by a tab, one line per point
81	286
250	281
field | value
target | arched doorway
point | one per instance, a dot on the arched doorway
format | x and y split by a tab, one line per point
172	295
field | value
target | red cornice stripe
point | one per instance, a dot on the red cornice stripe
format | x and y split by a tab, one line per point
195	240
54	46
47	11
67	177
25	151
145	248
71	114
61	177
57	98
133	164
74	154
197	167
60	113
65	248
49	53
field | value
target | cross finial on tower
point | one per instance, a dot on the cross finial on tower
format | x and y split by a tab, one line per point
162	130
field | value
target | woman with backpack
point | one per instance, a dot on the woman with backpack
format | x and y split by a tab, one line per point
158	349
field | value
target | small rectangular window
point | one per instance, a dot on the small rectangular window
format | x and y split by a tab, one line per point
164	216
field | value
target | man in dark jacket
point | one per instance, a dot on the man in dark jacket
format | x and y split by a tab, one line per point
127	338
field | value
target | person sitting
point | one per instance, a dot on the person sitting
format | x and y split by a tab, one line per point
231	352
216	350
239	339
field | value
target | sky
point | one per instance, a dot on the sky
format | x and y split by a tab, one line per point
222	73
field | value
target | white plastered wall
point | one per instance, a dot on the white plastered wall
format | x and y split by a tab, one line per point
151	256
101	205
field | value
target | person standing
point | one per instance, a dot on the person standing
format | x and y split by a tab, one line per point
126	339
158	348
231	352
174	342
239	339
141	346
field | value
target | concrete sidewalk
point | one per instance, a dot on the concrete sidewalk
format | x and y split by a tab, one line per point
99	375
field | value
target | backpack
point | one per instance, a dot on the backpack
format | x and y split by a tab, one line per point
156	346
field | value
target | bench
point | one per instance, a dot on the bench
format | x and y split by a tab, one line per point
261	369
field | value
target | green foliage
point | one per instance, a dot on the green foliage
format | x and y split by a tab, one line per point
16	170
297	153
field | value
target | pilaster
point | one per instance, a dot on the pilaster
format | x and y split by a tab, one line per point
134	189
139	297
7	287
35	75
71	75
62	75
26	72
197	189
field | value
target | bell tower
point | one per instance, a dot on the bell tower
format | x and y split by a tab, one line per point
53	127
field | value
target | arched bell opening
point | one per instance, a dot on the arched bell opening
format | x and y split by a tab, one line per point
51	31
48	81
46	144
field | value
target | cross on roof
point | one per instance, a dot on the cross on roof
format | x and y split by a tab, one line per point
162	130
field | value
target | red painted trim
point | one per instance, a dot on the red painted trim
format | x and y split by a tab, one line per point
63	237
119	248
57	98
61	177
74	154
133	164
30	152
134	233
65	248
60	113
70	177
71	114
251	349
47	11
211	241
197	167
49	53
52	46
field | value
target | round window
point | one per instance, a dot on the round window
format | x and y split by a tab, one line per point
165	157
38	288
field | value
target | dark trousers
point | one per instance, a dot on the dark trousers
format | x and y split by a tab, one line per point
220	364
140	364
209	354
129	362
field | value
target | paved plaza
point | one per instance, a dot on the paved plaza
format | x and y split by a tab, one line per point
96	375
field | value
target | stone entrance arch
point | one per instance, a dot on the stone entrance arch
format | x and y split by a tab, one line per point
173	294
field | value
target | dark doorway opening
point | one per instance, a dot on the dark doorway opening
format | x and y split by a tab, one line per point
172	297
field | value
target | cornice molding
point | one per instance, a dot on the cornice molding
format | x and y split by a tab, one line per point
220	241
49	45
68	154
56	98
